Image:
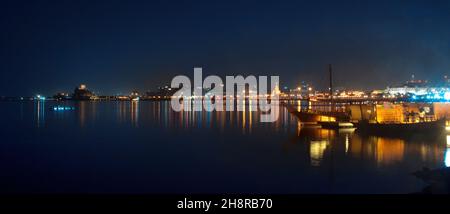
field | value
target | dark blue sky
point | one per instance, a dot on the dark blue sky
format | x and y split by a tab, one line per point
117	46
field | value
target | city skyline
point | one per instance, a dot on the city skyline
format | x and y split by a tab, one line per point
388	88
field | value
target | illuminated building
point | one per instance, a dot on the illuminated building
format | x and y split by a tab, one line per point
413	86
82	93
134	95
377	94
61	96
421	90
352	94
302	92
165	92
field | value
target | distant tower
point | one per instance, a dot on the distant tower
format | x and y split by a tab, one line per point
276	90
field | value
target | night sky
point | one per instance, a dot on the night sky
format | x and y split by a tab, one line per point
117	46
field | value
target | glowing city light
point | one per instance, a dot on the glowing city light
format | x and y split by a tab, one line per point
447	95
39	97
63	108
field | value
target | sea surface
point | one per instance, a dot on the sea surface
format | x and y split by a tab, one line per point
145	147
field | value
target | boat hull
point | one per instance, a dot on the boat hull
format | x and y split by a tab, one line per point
317	116
422	127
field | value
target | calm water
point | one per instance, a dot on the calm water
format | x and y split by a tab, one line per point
144	147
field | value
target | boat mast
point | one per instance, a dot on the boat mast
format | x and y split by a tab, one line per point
331	86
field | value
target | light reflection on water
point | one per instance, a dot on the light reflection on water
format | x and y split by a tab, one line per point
382	150
447	152
236	143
